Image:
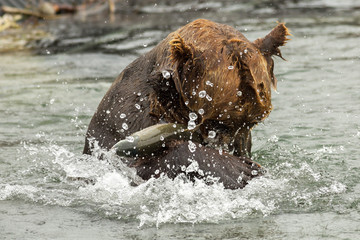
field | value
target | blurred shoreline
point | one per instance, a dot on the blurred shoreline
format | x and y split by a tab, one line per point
96	25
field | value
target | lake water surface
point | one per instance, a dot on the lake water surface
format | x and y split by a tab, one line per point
309	145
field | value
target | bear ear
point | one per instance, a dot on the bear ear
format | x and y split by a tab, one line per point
179	51
270	44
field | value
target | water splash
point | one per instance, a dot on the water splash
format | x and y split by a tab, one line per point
57	176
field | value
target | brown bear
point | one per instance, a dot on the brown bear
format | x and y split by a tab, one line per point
206	76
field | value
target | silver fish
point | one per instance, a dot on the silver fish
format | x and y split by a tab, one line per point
153	138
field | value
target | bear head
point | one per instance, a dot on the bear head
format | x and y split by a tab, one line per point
215	78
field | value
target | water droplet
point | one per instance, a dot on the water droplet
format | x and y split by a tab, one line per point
191	125
239	93
163	145
239	179
186	102
201	111
192	146
208	98
130	138
254	172
209	83
123	115
125	126
202	94
145	45
230	67
157	171
245	51
193	116
166	74
211	134
137	106
47	51
52	101
162	138
183	168
220	151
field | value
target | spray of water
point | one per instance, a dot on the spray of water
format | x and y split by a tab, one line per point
57	176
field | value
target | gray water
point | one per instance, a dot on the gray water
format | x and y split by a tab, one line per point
309	145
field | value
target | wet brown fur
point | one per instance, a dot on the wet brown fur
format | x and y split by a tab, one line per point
177	159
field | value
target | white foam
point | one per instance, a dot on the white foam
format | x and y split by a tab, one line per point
160	201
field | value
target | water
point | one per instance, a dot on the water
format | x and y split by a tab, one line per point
309	146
